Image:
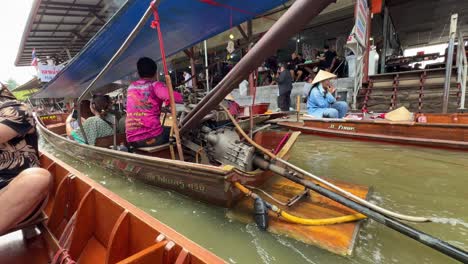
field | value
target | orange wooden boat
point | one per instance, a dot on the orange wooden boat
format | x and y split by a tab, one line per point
98	227
439	130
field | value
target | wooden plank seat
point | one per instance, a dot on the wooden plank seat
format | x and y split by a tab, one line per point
154	148
59	128
105	142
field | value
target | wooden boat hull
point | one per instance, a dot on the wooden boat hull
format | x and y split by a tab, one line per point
204	182
106	229
452	134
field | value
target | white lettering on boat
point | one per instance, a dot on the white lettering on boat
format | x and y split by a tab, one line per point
341	127
197	187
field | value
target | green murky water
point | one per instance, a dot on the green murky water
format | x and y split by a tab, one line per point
412	180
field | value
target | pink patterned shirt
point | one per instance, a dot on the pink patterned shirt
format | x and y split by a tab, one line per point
144	101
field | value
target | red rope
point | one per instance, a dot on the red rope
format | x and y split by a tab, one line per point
214	3
157	25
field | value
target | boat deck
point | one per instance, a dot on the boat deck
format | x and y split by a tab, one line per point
15	248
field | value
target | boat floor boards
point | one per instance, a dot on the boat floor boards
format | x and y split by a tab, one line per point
15	248
338	239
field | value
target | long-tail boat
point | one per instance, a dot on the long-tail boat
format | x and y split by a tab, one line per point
154	166
235	163
84	222
437	130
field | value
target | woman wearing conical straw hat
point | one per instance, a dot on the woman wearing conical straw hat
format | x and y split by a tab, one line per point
320	101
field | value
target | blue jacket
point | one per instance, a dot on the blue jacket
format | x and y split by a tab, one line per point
317	103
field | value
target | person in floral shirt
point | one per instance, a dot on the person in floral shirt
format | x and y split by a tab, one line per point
23	185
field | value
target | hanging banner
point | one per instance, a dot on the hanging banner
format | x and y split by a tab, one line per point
361	12
46	73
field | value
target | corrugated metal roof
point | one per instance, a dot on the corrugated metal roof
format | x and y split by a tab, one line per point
60	28
183	24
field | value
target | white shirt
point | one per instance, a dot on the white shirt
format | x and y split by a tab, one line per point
187	76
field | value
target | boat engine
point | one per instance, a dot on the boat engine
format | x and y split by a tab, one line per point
224	146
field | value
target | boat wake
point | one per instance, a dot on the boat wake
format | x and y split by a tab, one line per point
450	221
264	256
291	246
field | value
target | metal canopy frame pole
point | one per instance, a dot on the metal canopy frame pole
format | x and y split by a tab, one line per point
449	62
383	54
106	68
207	72
295	18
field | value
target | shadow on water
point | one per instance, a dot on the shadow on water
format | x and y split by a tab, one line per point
411	180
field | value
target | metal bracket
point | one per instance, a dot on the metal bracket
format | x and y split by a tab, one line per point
298	197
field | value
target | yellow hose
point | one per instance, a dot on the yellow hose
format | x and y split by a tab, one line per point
303	221
323	221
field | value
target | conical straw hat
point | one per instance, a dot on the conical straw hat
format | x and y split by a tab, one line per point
229	97
400	114
322	76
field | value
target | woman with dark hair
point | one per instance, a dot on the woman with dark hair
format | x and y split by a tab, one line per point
97	126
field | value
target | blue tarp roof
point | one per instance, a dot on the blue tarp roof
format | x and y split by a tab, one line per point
184	23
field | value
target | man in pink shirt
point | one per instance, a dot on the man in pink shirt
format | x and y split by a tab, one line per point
145	98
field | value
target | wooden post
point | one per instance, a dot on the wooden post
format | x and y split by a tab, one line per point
298	107
194	70
383	54
174	117
252	92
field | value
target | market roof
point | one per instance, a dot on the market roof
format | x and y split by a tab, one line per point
60	28
182	25
34	83
422	22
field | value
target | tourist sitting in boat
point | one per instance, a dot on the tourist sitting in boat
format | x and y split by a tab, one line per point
23	187
320	101
145	97
98	126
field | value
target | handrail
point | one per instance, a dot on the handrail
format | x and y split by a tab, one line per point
462	67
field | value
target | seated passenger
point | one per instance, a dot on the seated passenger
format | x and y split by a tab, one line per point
232	105
98	126
23	186
320	101
145	98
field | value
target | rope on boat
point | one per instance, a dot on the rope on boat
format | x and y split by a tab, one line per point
300	220
327	183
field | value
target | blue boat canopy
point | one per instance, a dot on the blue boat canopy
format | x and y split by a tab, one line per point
184	23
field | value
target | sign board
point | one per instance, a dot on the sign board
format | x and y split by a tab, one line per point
361	14
46	73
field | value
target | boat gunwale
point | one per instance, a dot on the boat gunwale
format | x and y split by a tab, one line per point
378	122
225	170
439	143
